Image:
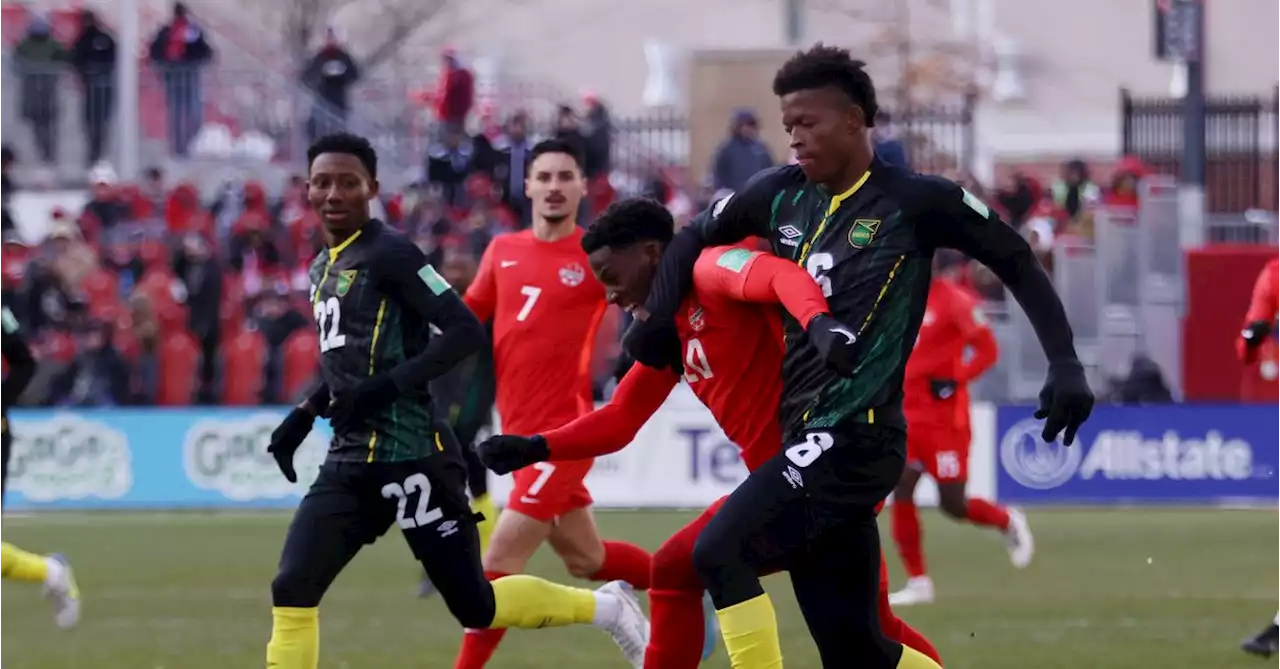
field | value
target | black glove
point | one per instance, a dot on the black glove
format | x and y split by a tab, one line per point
506	453
655	343
353	405
1065	401
836	343
286	439
943	389
1255	333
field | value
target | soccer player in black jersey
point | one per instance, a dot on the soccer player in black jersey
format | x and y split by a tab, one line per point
392	460
866	231
53	571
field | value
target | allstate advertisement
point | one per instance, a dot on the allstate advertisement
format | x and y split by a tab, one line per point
1185	453
157	458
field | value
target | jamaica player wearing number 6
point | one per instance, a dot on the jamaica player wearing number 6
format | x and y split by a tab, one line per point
391	460
731	335
867	232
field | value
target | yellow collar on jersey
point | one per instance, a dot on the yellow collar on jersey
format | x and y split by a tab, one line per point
333	252
831	209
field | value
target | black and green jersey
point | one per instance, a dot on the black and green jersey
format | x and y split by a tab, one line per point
375	299
870	248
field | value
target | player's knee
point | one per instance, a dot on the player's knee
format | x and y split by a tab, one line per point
712	557
953	506
293	588
582	565
470	602
672	568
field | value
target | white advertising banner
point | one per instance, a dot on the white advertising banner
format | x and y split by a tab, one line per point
681	459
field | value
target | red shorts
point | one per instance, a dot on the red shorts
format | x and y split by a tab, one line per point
941	451
548	490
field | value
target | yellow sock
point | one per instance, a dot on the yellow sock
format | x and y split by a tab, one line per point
295	638
19	565
914	659
529	602
750	631
484	504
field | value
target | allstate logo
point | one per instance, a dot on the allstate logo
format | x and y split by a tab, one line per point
1033	463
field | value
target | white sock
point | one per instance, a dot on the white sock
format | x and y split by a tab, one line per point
53	571
607	607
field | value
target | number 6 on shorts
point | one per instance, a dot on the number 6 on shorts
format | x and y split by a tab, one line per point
806	452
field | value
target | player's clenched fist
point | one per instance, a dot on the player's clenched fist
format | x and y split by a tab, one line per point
836	342
286	439
506	453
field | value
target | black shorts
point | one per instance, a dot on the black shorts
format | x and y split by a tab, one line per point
827	479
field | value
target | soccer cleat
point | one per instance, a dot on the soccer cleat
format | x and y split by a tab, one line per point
628	625
919	590
712	623
1018	540
1263	645
62	592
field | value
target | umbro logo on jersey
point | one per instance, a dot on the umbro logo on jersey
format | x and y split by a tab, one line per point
790	235
508	263
792	475
447	528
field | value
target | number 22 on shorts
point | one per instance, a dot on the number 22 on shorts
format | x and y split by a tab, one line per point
806	452
422	516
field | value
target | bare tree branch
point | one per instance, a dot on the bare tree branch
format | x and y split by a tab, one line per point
402	20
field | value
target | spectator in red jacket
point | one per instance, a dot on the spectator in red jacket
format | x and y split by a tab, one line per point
456	92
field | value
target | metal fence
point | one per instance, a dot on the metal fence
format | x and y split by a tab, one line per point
1241	170
938	138
1123	292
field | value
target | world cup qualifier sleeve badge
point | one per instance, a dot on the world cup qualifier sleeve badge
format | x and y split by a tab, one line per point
862	232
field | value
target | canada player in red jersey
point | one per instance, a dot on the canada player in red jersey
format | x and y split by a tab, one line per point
732	353
545	307
954	347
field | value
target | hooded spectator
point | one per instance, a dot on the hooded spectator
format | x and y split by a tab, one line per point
1074	192
94	58
329	76
741	154
1124	182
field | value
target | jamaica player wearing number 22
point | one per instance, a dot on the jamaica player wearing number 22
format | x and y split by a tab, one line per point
866	232
391	460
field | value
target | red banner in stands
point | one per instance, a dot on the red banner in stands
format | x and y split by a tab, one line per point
1220	281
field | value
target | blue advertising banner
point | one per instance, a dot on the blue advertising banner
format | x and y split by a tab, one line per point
154	458
1153	454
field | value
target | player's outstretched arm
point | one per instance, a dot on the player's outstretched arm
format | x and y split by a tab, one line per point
954	218
408	276
22	365
606	430
610	428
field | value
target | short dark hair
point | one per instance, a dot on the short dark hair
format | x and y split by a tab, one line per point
566	146
352	145
823	66
627	222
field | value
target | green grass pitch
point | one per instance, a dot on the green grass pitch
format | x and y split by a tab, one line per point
1109	589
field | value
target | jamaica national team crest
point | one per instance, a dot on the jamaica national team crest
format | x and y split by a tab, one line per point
345	279
862	232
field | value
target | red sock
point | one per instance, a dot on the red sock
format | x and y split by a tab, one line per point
478	645
624	562
912	638
677	629
907	535
982	512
